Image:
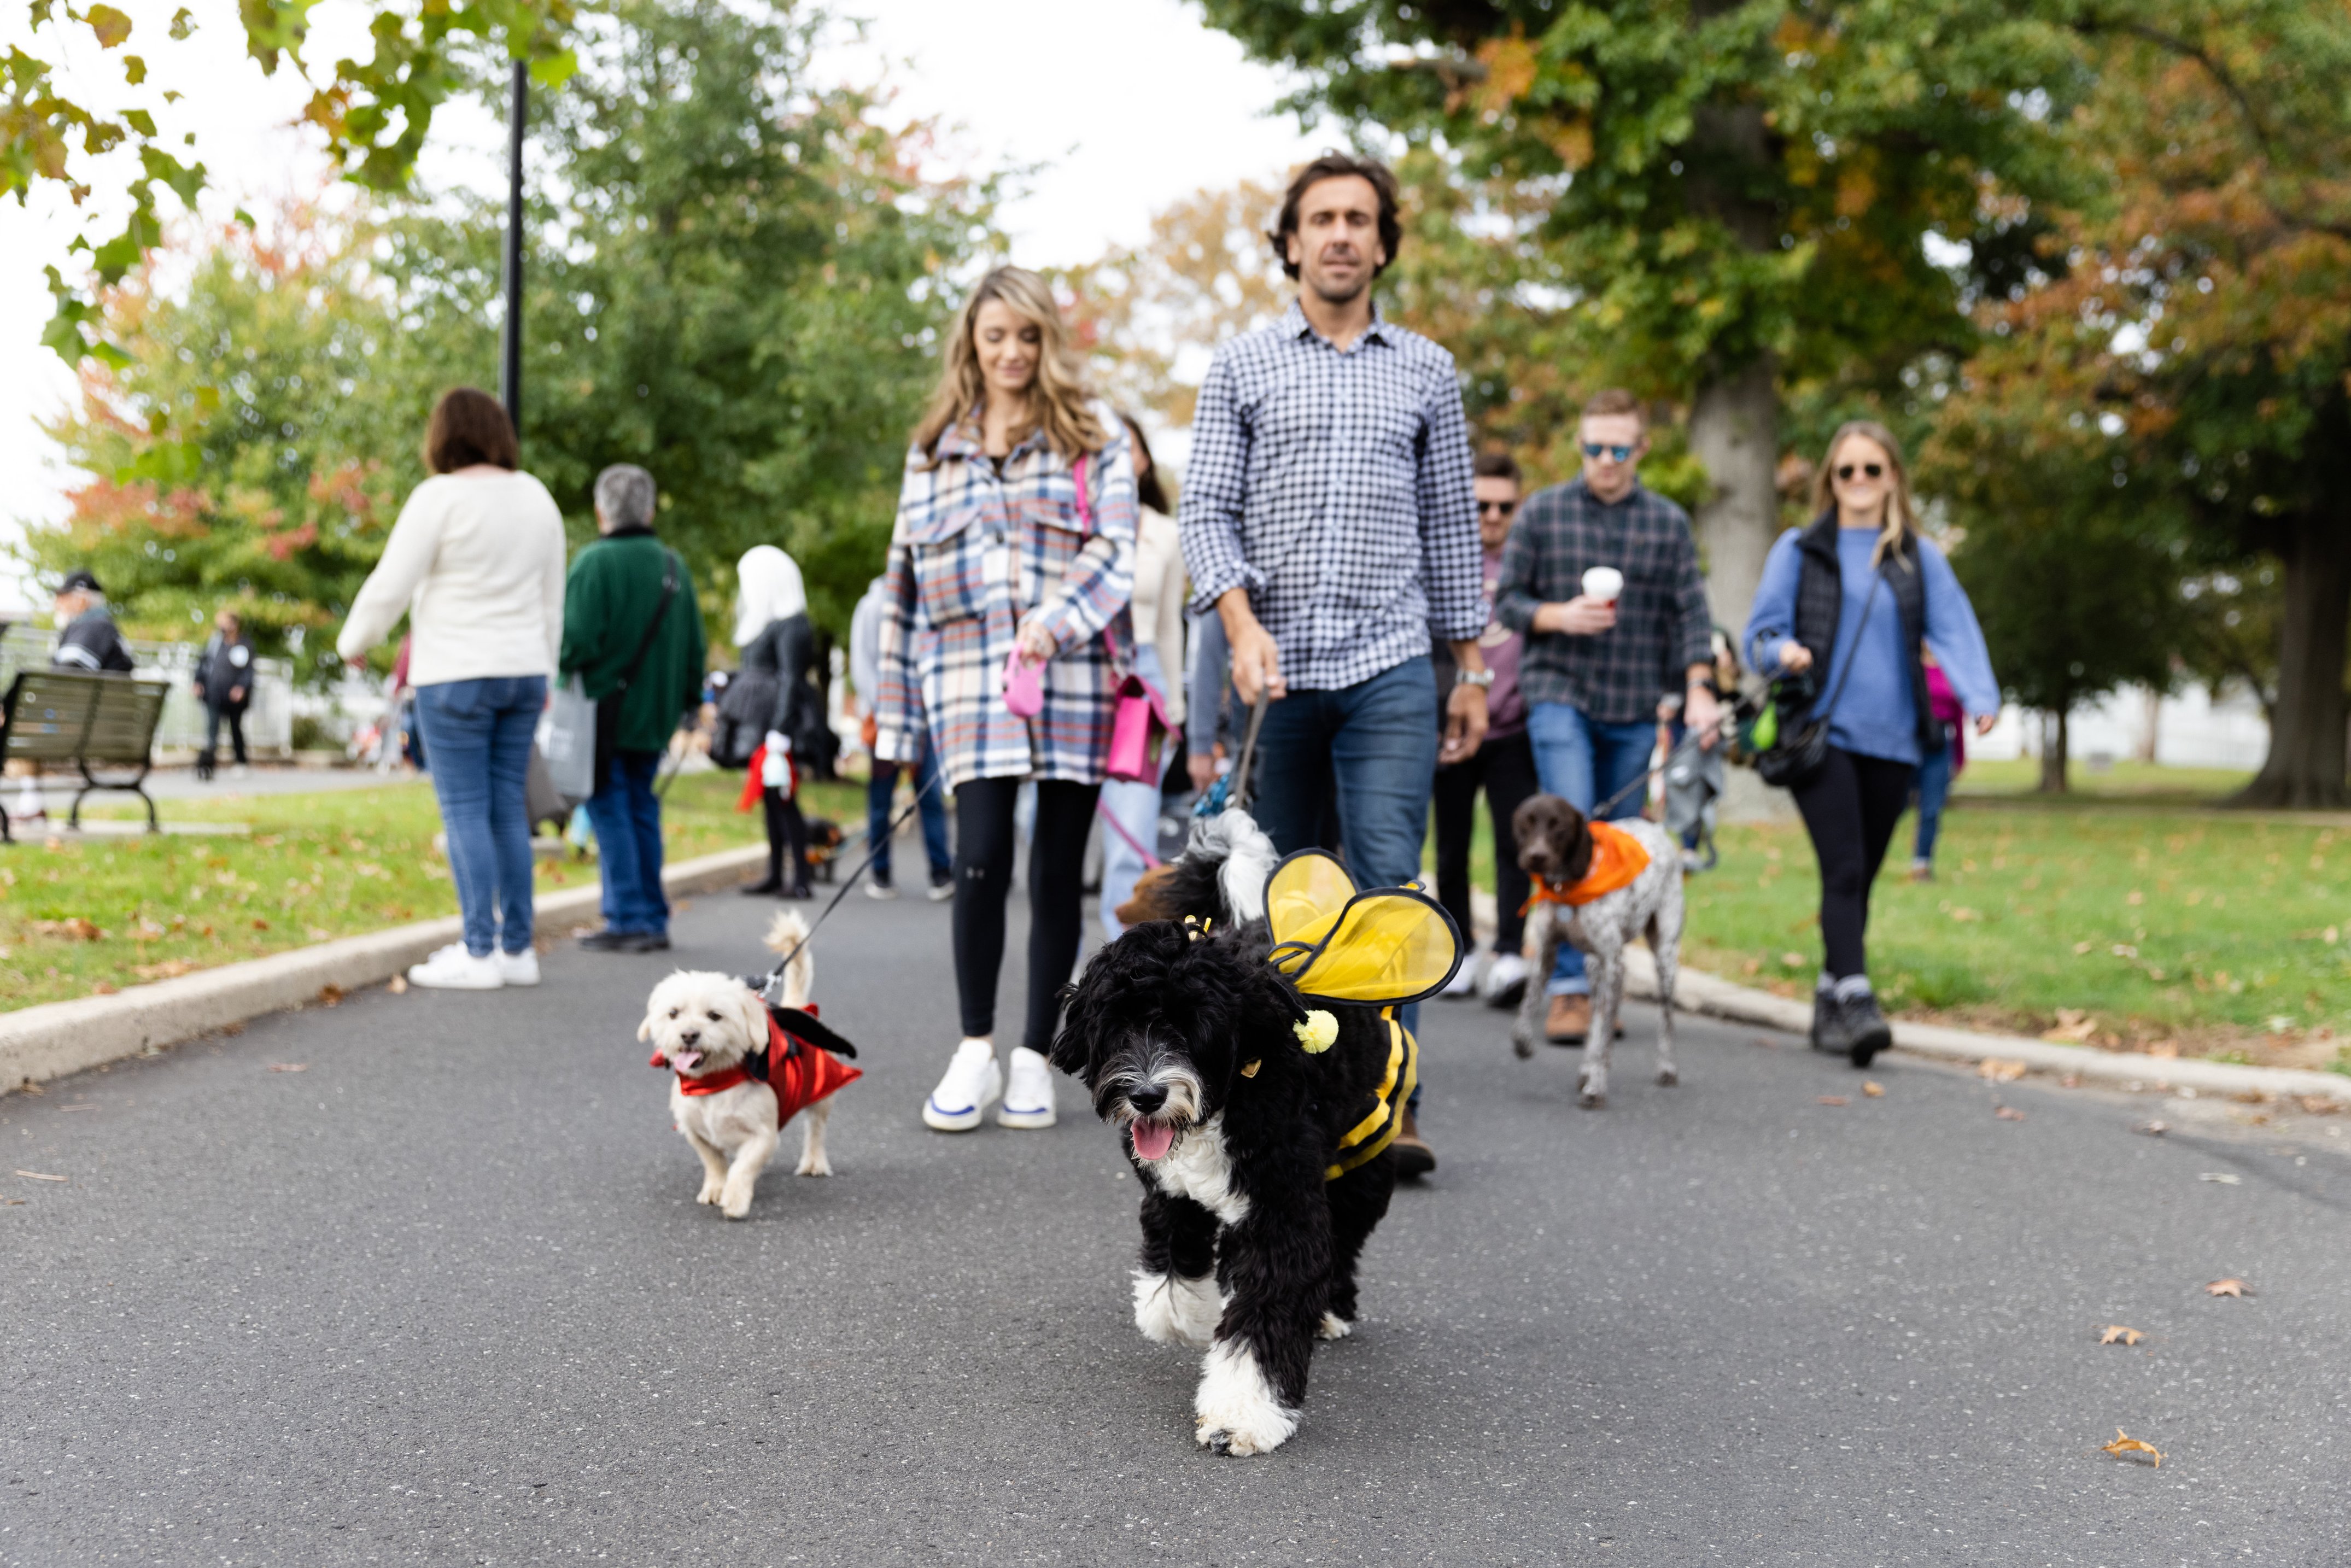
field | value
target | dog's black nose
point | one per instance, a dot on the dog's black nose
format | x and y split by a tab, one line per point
688	1036
1147	1100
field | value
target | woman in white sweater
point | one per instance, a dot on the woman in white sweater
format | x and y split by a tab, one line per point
1130	810
476	563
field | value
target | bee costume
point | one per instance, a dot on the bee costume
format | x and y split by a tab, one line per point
1384	946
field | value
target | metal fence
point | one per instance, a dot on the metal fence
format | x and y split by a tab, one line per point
268	721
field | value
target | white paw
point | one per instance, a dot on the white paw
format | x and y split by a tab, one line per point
736	1202
1334	1326
709	1193
1178	1310
813	1166
1237	1411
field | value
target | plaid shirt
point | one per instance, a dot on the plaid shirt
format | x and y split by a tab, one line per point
1662	624
972	556
1335	487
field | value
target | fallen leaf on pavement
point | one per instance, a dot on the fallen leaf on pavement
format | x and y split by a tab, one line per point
2117	1335
2007	1113
399	985
1874	1090
2125	1444
2156	1129
289	1067
2000	1071
2229	1287
12	1203
330	995
2226	1178
1834	1100
37	1175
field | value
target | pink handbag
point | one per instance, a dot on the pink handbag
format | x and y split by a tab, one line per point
1140	727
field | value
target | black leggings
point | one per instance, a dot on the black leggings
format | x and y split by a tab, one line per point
1505	769
787	839
1850	808
983	866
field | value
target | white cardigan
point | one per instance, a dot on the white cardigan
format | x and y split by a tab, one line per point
476	561
1158	608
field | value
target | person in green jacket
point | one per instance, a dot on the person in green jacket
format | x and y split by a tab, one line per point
633	630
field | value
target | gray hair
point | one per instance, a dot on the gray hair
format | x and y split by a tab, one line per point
625	494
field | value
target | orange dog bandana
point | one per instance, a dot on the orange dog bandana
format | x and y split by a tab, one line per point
1617	858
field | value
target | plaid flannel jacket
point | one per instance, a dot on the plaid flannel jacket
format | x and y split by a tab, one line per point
1336	489
975	554
1662	624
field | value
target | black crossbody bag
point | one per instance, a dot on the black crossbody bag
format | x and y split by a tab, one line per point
607	706
1795	760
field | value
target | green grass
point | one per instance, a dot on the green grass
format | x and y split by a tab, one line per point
315	867
2122	782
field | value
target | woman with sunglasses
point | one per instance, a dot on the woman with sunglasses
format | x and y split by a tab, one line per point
1854	599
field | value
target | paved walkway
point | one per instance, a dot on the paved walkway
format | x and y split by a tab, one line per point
443	1297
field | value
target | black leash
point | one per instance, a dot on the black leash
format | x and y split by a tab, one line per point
1599	813
849	882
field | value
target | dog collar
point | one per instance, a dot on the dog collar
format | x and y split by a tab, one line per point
1617	858
713	1084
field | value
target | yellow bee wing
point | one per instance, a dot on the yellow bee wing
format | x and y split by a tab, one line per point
1304	897
1389	946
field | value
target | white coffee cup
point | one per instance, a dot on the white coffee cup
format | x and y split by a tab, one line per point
1604	583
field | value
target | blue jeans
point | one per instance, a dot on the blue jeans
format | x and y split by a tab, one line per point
932	810
1934	786
1583	761
1135	808
627	817
479	735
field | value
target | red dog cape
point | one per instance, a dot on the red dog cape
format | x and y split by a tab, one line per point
800	1072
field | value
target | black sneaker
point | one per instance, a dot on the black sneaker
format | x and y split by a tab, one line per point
1867	1029
1832	1030
610	941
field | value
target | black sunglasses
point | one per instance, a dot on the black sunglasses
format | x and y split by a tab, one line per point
1505	507
1874	470
1613	454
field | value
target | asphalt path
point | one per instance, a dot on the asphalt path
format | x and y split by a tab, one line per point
443	1296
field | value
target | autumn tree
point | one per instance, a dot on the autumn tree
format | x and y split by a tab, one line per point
1736	197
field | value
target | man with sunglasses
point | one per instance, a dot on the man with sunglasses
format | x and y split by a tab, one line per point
1594	669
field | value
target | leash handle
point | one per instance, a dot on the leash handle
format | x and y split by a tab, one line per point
1238	799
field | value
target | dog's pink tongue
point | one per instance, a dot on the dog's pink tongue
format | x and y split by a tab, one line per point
1153	1140
689	1060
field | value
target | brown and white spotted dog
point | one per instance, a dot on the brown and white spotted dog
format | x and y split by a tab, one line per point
1556	849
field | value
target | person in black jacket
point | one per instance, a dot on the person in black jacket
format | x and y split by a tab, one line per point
86	637
779	650
224	684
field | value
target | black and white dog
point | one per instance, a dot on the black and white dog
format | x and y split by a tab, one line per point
1187	1042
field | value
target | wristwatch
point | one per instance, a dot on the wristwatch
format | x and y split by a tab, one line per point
1481	679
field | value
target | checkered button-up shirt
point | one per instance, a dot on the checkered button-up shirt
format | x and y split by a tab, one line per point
1662	624
1335	487
974	554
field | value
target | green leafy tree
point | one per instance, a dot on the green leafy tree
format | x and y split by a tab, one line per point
372	116
1735	195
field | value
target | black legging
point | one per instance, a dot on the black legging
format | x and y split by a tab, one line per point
787	839
1850	808
983	866
1505	769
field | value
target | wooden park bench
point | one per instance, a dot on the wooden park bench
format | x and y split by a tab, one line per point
89	720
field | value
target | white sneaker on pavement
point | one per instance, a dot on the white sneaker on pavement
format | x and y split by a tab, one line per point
880	890
1028	1097
1505	982
519	969
973	1082
452	968
1464	983
941	890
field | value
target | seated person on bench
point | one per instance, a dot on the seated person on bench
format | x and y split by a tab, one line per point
86	636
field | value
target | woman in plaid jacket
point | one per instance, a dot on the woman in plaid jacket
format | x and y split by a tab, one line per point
996	548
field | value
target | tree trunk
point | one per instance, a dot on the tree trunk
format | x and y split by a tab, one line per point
1734	432
2056	742
2304	770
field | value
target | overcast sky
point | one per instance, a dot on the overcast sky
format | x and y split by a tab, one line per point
1124	106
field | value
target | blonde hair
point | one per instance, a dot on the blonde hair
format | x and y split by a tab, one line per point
1059	403
1899	514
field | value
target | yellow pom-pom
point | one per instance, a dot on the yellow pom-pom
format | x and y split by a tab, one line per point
1317	1032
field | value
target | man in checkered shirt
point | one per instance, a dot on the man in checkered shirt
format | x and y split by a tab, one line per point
1328	516
1596	666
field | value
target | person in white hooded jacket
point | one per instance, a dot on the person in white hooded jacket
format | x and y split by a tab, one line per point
779	650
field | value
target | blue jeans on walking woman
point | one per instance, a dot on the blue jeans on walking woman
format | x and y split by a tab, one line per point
1583	761
627	817
478	734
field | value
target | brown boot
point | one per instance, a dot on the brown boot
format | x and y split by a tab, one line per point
1414	1157
1570	1021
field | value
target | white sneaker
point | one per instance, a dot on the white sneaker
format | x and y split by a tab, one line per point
1464	983
1505	982
941	890
452	968
973	1083
1028	1099
881	890
519	969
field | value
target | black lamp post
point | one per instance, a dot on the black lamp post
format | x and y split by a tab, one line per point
510	363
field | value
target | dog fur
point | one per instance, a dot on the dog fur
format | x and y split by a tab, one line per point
700	1022
1248	1253
1555	846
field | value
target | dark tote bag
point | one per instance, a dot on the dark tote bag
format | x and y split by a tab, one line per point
1795	760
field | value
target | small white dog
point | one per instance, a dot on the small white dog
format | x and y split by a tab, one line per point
731	1094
